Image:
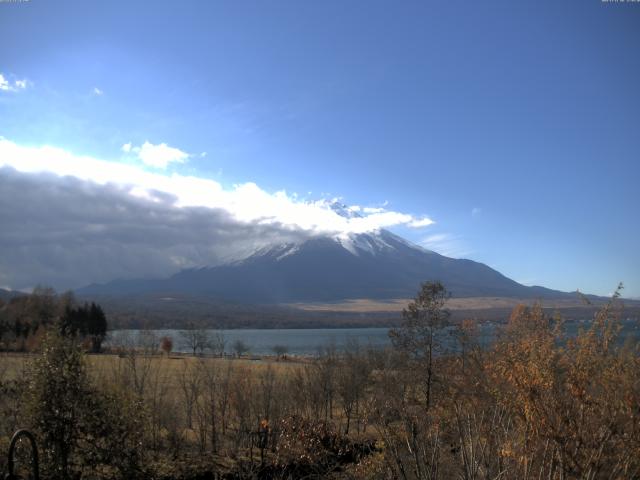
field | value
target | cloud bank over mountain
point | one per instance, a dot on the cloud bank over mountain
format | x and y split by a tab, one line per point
70	220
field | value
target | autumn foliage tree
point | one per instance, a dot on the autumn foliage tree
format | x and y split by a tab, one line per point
166	344
574	403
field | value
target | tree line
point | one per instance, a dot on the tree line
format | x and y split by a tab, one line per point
25	319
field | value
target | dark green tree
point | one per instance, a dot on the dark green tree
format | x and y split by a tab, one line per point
97	327
85	321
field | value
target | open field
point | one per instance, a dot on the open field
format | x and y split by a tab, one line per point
149	311
13	365
483	309
469	303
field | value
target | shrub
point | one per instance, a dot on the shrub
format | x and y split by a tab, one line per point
80	427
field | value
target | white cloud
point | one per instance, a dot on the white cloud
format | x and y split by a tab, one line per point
97	91
375	214
7	85
94	220
245	202
373	209
66	232
446	244
420	223
157	156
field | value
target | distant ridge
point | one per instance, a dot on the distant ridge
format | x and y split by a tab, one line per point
6	295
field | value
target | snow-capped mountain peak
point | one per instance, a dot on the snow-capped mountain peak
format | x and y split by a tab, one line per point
377	264
344	210
357	243
273	252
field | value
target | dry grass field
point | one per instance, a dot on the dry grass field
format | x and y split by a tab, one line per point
363	305
14	365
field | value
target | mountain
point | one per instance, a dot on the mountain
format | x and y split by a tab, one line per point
6	295
379	265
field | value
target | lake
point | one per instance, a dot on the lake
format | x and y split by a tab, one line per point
310	341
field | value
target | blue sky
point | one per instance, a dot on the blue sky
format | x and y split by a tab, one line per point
514	126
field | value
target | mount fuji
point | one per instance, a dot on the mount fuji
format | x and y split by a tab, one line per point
375	265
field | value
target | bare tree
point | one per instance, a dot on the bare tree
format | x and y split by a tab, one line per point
218	343
264	397
190	381
224	395
242	388
147	341
324	378
352	379
416	337
240	347
196	339
208	406
160	404
280	350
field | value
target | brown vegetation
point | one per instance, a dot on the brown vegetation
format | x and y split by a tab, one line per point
533	405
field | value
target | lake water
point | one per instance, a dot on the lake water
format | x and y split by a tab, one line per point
310	341
262	341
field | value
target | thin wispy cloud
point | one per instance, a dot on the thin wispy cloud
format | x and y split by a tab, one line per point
446	244
419	223
97	91
7	85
